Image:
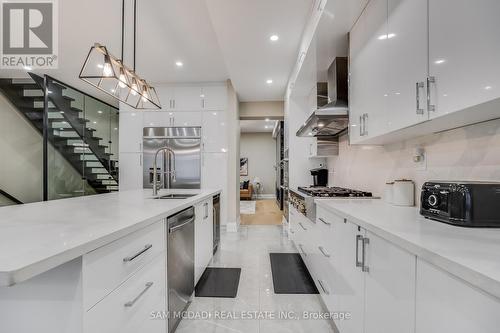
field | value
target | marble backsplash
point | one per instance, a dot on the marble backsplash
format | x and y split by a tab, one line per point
467	153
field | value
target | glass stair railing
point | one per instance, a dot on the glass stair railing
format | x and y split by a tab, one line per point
82	132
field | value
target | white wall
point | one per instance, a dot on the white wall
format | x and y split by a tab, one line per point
233	169
260	149
261	109
468	153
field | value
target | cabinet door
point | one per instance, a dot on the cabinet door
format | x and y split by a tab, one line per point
214	97
214	131
407	27
369	72
389	288
166	96
203	237
187	98
130	166
447	304
464	53
186	119
351	280
130	134
157	119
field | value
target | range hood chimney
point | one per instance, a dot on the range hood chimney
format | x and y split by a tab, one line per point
331	119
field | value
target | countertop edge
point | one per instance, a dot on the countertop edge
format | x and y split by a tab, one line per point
11	278
470	276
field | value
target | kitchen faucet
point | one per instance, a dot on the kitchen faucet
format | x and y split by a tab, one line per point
172	172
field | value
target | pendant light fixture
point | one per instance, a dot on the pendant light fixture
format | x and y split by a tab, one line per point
110	75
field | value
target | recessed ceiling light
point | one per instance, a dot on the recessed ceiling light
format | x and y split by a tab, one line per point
179	64
274	38
488	87
99	111
94	122
439	61
269	81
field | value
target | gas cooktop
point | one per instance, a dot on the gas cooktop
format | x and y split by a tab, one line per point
319	191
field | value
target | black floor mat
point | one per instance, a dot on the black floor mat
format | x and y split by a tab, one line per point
218	282
290	274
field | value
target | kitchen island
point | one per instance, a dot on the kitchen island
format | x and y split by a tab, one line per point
64	262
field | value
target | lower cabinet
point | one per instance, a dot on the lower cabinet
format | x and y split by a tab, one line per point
203	237
447	304
367	280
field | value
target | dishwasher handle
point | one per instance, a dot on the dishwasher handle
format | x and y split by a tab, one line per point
180	226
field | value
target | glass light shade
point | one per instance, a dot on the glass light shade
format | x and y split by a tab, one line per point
108	74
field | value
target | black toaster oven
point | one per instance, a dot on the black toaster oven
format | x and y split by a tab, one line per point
468	204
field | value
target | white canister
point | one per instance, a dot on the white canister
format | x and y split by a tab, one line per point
403	193
388	192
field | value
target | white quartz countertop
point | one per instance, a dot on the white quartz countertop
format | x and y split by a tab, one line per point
37	237
472	254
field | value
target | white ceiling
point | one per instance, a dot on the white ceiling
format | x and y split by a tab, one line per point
257	126
215	39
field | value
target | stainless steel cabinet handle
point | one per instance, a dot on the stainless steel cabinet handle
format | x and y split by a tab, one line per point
360	125
206	210
323	287
327	223
302	226
302	250
132	302
419	86
365	118
322	250
430	106
358	262
364	267
146	247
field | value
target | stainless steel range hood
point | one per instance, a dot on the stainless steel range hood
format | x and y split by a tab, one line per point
331	119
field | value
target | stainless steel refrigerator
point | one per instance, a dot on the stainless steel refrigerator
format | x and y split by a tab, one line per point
186	144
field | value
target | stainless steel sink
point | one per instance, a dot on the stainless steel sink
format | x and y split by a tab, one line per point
176	196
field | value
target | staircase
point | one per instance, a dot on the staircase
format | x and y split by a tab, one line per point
68	131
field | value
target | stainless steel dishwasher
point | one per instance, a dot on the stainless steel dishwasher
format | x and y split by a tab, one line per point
180	264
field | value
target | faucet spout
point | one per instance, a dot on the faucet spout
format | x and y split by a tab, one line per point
155	172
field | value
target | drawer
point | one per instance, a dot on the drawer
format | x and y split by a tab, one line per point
107	267
128	308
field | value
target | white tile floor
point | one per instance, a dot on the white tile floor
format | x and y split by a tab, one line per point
249	249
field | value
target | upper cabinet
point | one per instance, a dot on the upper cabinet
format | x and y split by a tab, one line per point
464	53
214	97
416	60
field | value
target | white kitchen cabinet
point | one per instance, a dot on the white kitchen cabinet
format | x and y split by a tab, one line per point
130	176
130	135
369	72
214	97
389	288
464	53
172	119
187	98
203	237
186	119
447	304
214	176
214	131
407	58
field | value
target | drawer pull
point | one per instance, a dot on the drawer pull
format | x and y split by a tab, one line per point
302	250
132	302
323	287
147	247
327	223
358	262
302	226
322	249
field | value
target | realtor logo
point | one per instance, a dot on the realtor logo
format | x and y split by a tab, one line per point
29	34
